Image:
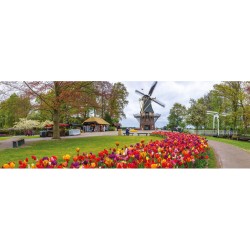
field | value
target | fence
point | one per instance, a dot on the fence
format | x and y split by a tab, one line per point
212	132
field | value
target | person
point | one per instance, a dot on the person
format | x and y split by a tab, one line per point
127	131
231	132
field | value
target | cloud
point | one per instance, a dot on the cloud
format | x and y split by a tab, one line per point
166	92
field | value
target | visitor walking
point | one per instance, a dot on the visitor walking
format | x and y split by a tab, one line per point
127	131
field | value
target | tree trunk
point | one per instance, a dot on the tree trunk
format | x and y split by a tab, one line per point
56	129
56	113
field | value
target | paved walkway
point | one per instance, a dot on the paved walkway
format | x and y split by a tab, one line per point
229	156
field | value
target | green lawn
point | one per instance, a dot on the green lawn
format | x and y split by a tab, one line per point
68	146
212	162
21	136
4	138
240	144
30	137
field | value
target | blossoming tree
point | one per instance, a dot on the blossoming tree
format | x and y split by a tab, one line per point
52	96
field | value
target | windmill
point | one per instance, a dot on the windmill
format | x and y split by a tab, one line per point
147	118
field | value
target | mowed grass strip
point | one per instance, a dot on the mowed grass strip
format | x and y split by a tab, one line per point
212	161
240	144
68	146
4	138
21	136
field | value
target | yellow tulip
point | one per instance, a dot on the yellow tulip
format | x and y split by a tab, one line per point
6	166
154	165
12	165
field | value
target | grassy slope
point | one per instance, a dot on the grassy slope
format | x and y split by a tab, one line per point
21	136
91	144
212	162
62	147
4	138
240	144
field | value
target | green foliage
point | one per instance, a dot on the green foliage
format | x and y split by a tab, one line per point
197	113
118	101
235	102
112	129
112	100
212	161
108	118
176	117
230	98
12	109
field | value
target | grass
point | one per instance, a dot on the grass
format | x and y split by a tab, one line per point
68	146
21	136
212	162
4	138
29	137
240	144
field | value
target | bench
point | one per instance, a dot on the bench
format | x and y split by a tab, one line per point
18	143
244	138
143	133
128	134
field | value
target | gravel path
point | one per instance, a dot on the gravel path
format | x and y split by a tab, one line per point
230	156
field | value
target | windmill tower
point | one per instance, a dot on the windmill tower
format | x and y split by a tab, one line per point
147	118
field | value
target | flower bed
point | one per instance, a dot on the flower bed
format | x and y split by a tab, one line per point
171	150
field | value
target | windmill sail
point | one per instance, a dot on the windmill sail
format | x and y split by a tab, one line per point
147	106
147	118
152	88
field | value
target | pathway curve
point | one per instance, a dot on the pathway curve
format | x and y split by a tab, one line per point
230	156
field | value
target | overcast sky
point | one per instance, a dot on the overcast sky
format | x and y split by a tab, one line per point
166	92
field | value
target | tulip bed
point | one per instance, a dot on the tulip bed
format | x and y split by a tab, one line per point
171	150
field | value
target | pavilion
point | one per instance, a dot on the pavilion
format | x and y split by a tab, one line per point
95	124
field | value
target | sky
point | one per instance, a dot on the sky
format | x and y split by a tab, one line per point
167	93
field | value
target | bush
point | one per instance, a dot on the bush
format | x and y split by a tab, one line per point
112	128
4	132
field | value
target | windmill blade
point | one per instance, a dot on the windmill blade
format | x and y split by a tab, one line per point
158	102
140	93
152	88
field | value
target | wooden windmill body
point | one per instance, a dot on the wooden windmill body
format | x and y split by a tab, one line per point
147	117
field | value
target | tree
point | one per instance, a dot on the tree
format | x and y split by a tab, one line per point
25	123
112	100
62	100
235	94
12	109
53	96
176	116
118	101
108	118
197	113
